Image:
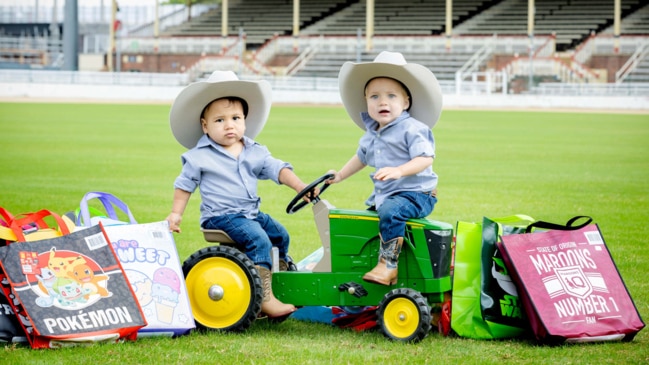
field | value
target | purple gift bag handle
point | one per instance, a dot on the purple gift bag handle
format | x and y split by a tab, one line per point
109	201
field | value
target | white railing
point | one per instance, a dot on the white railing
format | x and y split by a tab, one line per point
473	64
171	17
131	16
300	61
189	45
479	84
551	67
93	78
606	44
36	51
232	48
610	89
633	61
408	44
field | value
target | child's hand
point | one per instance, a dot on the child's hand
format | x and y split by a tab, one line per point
388	173
336	179
174	220
310	195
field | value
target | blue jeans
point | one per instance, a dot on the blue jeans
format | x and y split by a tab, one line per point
398	208
257	235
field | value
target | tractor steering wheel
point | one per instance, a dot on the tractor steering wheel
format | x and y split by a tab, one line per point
294	206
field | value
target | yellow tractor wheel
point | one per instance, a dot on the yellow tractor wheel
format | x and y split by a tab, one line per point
224	288
404	315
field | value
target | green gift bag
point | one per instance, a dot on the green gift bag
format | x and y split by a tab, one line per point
485	302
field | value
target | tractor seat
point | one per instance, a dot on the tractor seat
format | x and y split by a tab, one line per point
217	235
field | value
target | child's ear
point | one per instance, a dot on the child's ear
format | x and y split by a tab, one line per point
204	125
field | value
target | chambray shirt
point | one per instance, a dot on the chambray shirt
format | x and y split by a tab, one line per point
397	143
227	185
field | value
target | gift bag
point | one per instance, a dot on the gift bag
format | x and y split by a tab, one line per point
87	215
148	254
6	234
40	225
484	302
10	329
570	286
69	290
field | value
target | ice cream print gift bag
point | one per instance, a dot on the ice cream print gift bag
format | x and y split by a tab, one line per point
147	252
69	290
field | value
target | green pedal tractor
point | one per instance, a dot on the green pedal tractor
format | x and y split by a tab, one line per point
225	289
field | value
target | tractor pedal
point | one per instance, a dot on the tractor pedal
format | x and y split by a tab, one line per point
354	289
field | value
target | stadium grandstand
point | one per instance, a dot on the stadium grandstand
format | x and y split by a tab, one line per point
504	46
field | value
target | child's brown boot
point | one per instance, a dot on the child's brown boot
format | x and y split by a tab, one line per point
385	272
271	306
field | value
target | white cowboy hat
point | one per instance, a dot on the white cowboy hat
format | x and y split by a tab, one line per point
425	92
185	114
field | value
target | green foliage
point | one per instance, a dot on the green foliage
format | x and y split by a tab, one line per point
550	165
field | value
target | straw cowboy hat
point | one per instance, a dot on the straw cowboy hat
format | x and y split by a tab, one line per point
425	92
185	114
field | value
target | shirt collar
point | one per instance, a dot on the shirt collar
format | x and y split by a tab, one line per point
206	141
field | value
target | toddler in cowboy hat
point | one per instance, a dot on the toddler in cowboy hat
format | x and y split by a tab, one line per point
396	103
217	120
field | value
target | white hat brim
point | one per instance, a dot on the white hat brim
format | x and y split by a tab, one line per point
184	117
426	94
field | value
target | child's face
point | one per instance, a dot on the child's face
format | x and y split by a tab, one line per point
224	122
386	100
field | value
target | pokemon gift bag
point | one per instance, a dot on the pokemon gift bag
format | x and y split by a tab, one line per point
70	290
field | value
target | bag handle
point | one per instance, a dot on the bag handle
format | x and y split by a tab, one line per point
569	226
108	201
6	217
38	218
5	225
515	220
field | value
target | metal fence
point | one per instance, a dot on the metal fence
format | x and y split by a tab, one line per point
472	86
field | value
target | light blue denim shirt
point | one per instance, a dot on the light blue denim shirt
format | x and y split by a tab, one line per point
227	185
397	143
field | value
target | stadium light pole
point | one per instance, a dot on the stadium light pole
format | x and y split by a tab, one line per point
530	33
54	26
296	24
156	26
70	35
449	24
224	24
369	24
111	36
359	44
617	13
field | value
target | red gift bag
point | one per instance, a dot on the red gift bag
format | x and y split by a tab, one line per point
6	234
570	287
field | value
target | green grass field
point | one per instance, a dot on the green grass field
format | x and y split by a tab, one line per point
549	165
